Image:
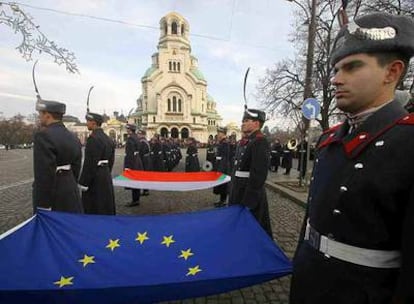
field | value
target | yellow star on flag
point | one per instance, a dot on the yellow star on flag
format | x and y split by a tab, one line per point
194	270
167	240
113	244
64	281
142	237
185	254
87	260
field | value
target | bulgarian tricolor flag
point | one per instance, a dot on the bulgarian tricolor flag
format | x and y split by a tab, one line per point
170	181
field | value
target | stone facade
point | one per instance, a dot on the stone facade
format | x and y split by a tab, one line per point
174	100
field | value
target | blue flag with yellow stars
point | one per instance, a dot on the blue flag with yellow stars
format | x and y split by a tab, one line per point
59	257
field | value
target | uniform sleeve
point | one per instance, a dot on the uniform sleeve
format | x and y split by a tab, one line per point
258	173
112	156
129	153
76	166
90	164
44	165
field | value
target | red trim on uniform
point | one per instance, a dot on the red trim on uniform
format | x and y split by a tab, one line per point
356	141
327	141
407	120
333	129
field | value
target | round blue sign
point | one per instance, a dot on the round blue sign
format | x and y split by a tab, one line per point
311	108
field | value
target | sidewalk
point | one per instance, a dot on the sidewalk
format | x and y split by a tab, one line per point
288	186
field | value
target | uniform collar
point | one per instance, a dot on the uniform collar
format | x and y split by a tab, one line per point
375	125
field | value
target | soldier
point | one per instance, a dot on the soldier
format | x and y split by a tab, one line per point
157	157
133	160
287	157
251	168
96	180
191	161
144	153
210	151
57	160
222	164
276	149
356	244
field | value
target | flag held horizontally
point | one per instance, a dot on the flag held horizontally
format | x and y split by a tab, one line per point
69	258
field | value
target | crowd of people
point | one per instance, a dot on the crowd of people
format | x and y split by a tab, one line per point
355	245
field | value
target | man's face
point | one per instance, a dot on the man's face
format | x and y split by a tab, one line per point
90	124
43	118
249	125
360	83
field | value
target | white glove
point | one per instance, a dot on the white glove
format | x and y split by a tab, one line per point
82	188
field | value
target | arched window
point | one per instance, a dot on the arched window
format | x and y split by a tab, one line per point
174	65
178	66
169	105
179	105
153	119
174	104
182	29
170	65
194	120
174	28
165	28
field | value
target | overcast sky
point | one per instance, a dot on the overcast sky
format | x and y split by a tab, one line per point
226	36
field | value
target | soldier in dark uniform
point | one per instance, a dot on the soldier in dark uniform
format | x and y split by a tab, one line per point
133	160
356	244
287	157
157	155
222	164
192	163
144	153
232	147
96	180
57	160
275	152
211	151
251	168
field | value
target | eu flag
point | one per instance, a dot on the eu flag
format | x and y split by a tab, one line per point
67	258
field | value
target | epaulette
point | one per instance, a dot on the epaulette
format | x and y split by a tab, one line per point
407	120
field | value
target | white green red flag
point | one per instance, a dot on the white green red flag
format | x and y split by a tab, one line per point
170	181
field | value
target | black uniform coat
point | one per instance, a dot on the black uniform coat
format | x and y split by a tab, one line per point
144	153
275	153
222	164
287	156
99	198
191	160
132	158
252	155
362	194
56	146
157	156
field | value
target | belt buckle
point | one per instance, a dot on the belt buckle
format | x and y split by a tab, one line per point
314	239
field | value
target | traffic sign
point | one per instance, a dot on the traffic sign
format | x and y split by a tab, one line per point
311	108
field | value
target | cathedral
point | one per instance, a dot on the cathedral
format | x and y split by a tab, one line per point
174	100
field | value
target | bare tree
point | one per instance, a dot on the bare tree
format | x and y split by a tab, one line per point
281	88
32	38
14	131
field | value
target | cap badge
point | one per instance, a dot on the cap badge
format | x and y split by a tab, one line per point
371	33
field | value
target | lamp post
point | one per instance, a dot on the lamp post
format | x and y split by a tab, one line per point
307	92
